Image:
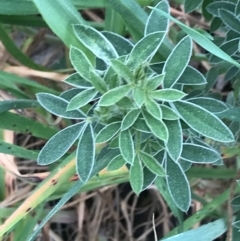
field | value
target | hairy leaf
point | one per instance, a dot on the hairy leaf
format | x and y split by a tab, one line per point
136	175
129	119
108	132
126	146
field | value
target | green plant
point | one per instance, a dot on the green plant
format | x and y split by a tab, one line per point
157	117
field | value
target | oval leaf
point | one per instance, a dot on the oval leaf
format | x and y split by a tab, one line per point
230	20
114	95
178	185
95	41
85	154
138	94
136	175
168	113
145	49
157	127
98	83
59	144
82	99
204	122
148	178
174	144
153	108
190	5
108	132
77	81
58	106
169	95
116	163
129	119
126	146
199	154
177	60
152	164
155	82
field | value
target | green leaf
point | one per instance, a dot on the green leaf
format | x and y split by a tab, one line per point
136	175
212	105
59	144
82	99
141	125
237	8
156	22
148	178
177	60
95	41
202	40
174	144
86	153
192	76
71	93
210	231
178	185
6	105
203	121
98	83
58	106
169	95
122	45
80	62
214	7
129	119
155	82
168	113
157	127
153	108
190	5
126	146
108	132
123	71
152	164
232	114
138	96
114	95
230	20
145	49
126	103
199	154
116	163
17	151
77	81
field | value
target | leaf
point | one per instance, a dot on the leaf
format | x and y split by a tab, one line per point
202	40
174	144
71	93
129	119
136	175
114	95
237	8
232	114
168	113
156	22
199	154
192	76
138	96
82	99
98	83
123	71
155	82
108	132
157	127
190	5
126	146
86	154
230	20
116	163
6	105
169	95
214	7
178	185
80	62
203	121
95	41
210	231
59	144
141	125
153	108
145	49
177	60
77	81
122	45
58	106
152	164
148	178
212	105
